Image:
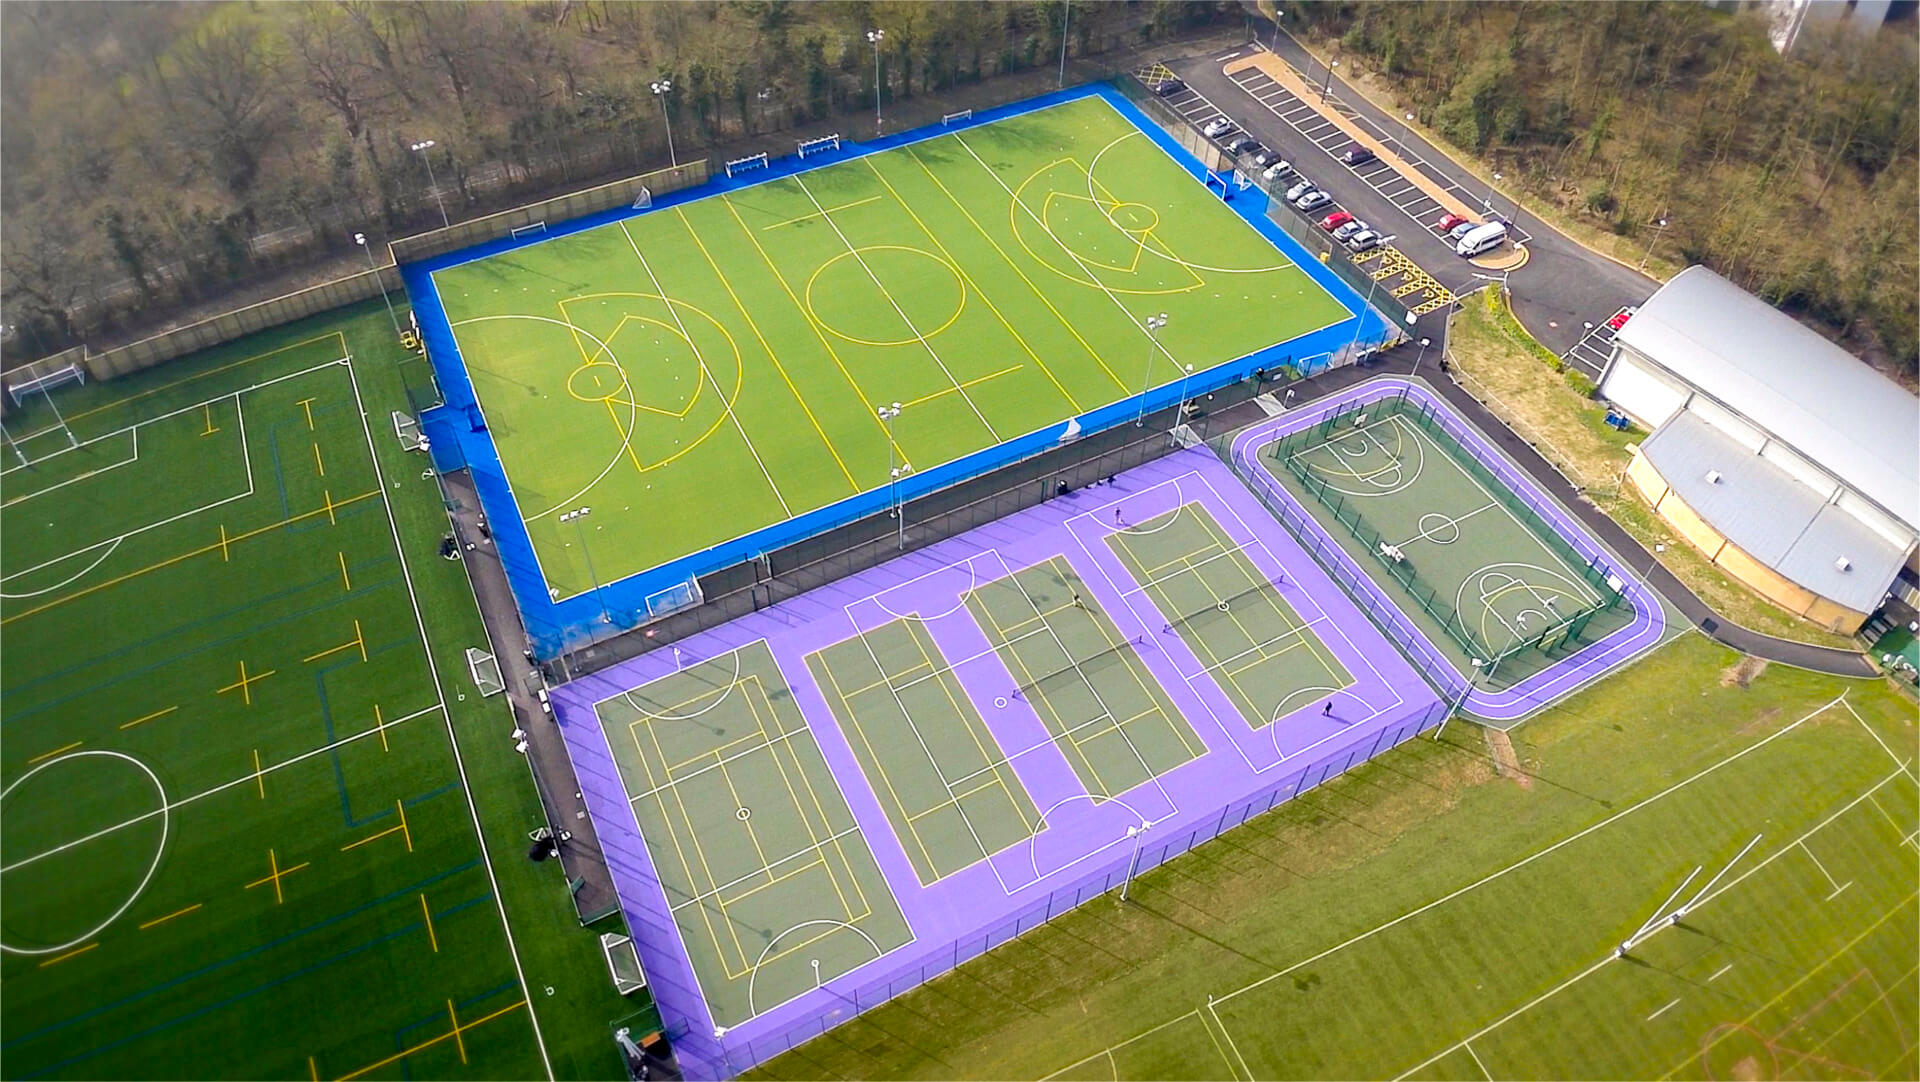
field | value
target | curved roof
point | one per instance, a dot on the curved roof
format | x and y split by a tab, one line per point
1807	392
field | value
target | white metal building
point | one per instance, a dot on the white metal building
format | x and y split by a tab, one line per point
1787	461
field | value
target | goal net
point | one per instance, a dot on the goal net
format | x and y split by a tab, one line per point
746	165
809	147
535	229
486	672
408	431
644	199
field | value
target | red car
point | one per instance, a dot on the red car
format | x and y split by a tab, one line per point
1620	318
1335	220
1447	224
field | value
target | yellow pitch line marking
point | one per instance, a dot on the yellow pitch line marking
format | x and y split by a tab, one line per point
150	717
428	914
400	830
822	213
54	752
170	561
157	921
279	873
405	832
317	463
245	683
208	407
346	583
431	1041
358	640
963	386
224	557
58	958
458	1040
380	726
313	1069
259	776
307	404
331	521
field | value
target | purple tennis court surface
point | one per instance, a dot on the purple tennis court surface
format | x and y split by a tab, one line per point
1212	767
1511	703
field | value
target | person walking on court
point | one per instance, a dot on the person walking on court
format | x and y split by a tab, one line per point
1327	710
1116	519
1077	603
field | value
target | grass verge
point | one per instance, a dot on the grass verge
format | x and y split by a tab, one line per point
1416	908
1503	366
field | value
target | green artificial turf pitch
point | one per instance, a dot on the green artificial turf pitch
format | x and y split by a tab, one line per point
234	837
703	371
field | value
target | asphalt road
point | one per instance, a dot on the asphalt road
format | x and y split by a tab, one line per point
1562	287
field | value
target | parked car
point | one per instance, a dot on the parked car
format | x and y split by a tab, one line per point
1313	200
1300	189
1277	170
1364	240
1448	223
1349	229
1461	230
1357	154
1217	127
1265	158
1335	220
1620	318
1167	88
1246	144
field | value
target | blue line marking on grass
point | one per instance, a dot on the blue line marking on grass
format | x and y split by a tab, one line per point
172	982
279	477
400	1035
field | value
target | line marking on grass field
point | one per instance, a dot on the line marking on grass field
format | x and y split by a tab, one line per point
1835	884
1891	822
278	873
158	921
225	557
1477	1062
210	430
431	1041
259	777
346	582
317	463
1876	738
380	726
77	951
1721	972
45	755
1657	1013
772	354
401	829
1224	1032
214	791
358	640
818	213
313	1069
426	914
307	405
245	683
453	740
149	717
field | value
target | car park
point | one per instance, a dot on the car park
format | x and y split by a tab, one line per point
1480	239
1462	230
1349	229
1364	240
1619	319
1313	200
1167	88
1246	144
1300	189
1448	223
1335	220
1217	127
1277	170
1357	154
1265	157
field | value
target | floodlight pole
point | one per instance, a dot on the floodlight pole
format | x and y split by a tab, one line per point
1066	21
1139	836
1154	323
1490	191
874	38
895	468
1326	82
1367	306
1461	702
1179	413
17	452
361	240
1424	343
1659	227
661	87
574	516
421	148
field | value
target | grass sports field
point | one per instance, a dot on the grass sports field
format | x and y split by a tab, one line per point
705	370
1432	914
313	901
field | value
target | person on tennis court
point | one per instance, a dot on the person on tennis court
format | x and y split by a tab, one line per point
1077	603
1116	518
1327	710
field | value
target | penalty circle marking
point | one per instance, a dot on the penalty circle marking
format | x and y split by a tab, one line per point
159	850
1433	524
724	696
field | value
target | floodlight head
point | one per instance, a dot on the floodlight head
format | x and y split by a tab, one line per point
876	35
661	86
1425	342
424	144
360	238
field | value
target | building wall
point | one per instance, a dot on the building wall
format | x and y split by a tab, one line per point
1640	389
1734	560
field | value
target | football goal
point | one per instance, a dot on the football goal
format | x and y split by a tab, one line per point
822	145
746	165
485	669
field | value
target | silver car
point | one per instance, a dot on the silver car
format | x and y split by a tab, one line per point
1299	189
1217	127
1348	229
1313	200
1363	241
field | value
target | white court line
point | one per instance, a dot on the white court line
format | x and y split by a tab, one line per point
134	457
1663	1010
768	870
1721	972
1477	1062
1231	1043
1831	881
704	370
1875	735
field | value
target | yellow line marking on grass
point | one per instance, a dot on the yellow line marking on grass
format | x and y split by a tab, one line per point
431	1041
307	404
149	717
823	213
245	683
158	921
328	494
208	407
259	775
401	830
313	1069
626	437
428	914
772	355
358	640
225	557
405	832
170	561
361	639
317	463
458	1040
962	386
346	583
380	726
279	873
54	752
58	958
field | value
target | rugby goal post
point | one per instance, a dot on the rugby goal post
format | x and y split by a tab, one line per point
485	669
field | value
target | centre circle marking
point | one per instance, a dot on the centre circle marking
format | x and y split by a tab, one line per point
159	849
864	274
1435	527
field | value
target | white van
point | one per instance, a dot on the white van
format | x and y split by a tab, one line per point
1481	239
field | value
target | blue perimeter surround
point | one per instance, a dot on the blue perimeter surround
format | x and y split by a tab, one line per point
459	438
